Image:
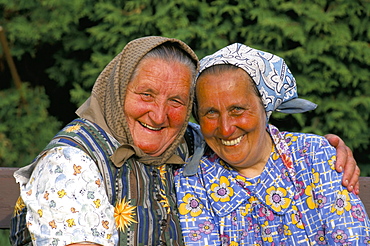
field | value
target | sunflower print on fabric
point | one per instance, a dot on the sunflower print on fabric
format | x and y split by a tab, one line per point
123	214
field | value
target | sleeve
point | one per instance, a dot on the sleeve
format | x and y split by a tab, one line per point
196	217
343	213
66	201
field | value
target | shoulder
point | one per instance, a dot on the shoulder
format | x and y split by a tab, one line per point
193	129
306	140
65	160
192	139
63	168
66	153
207	165
310	152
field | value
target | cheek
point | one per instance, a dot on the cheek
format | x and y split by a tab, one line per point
248	124
207	127
177	116
135	110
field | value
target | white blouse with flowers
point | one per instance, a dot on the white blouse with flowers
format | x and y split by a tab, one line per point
67	202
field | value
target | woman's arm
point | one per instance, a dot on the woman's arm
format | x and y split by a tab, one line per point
66	201
345	162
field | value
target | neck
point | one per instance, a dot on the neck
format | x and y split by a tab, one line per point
257	168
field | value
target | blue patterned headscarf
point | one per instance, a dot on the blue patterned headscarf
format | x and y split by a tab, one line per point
269	72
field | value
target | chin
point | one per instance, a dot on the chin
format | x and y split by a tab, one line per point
151	151
156	148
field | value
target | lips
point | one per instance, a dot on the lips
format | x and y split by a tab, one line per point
232	142
150	127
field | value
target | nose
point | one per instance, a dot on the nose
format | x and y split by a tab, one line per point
226	126
158	114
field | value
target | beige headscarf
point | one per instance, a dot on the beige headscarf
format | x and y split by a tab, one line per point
105	105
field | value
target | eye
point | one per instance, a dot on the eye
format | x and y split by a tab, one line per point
175	102
146	97
211	114
237	110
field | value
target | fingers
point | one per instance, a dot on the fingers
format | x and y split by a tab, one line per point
351	173
341	151
354	181
347	163
344	160
334	140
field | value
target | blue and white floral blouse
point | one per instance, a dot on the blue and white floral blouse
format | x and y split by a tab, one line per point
297	200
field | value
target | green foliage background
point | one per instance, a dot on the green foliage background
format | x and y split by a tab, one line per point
66	44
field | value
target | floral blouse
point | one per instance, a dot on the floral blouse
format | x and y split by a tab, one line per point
297	200
67	202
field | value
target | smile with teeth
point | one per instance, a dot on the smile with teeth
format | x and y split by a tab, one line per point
232	142
150	127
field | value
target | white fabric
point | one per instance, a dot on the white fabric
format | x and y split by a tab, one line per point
67	202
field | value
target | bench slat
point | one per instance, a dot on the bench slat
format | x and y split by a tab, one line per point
365	192
9	193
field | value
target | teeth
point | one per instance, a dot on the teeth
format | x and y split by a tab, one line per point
150	127
231	142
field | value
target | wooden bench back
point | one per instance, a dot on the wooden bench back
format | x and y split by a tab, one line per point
9	192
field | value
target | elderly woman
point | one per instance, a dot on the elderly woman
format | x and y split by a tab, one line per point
109	173
107	177
257	185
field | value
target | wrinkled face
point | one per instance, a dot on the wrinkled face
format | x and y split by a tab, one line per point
156	104
232	118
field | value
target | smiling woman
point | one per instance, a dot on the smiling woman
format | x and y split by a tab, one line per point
254	184
107	177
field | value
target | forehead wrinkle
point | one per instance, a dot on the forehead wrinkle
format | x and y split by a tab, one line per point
169	78
165	72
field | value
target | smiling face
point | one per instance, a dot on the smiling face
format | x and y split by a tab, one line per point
233	120
156	104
